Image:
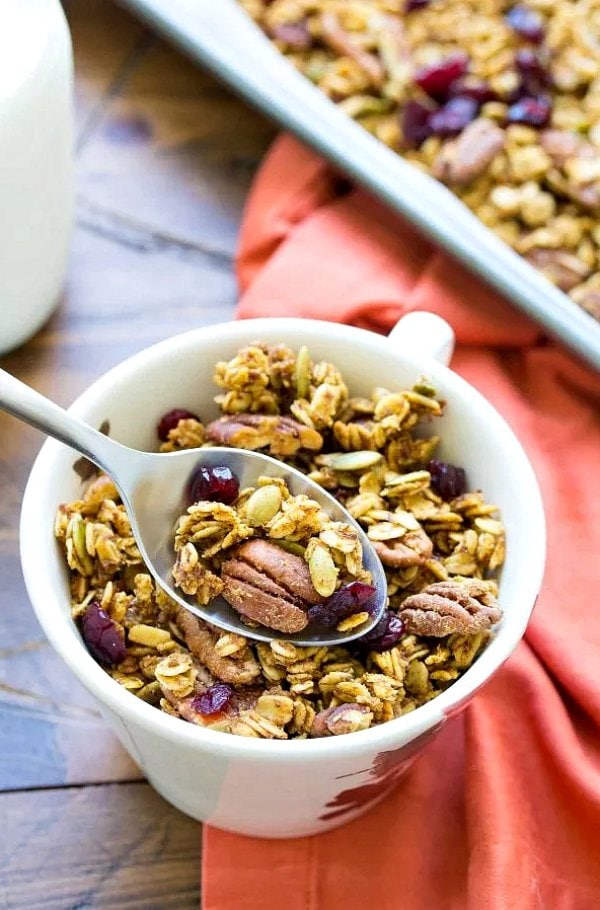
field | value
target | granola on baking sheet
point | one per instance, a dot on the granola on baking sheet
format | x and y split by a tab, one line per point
441	546
499	100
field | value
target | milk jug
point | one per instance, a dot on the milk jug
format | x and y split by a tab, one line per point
36	173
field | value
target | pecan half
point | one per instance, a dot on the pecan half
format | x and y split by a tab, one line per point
412	550
462	160
346	718
269	585
340	41
562	145
200	639
579	162
283	436
446	607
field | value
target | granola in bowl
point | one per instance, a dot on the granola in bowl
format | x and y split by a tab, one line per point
497	99
441	546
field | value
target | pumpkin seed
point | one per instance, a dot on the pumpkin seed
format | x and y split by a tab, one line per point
303	372
290	546
323	572
78	528
356	461
425	387
425	401
150	693
263	505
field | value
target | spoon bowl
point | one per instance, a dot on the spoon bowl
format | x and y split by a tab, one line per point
153	488
155	497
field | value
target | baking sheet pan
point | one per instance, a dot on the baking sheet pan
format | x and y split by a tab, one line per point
220	35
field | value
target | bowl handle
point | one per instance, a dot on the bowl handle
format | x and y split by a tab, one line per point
424	335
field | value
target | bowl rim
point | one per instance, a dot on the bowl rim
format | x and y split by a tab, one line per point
48	603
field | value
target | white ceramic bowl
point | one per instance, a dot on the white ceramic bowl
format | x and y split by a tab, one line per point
263	787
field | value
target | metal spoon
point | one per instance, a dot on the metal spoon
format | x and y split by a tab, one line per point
152	487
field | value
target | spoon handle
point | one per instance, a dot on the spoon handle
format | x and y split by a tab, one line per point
26	404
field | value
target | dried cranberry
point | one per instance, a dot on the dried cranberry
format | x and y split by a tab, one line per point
453	117
531	65
531	111
529	62
215	699
472	88
534	72
101	636
170	420
415	4
415	123
346	601
437	78
447	480
218	484
526	22
387	633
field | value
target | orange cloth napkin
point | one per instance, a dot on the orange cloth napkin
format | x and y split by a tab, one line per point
502	810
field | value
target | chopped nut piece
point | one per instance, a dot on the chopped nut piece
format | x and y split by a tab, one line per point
282	436
348	718
464	159
414	548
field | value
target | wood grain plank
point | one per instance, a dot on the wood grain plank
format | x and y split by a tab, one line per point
118	847
174	153
104	43
51	730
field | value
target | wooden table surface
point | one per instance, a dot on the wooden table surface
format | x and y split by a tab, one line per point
164	159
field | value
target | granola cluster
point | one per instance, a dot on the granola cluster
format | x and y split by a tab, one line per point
499	100
440	545
293	558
